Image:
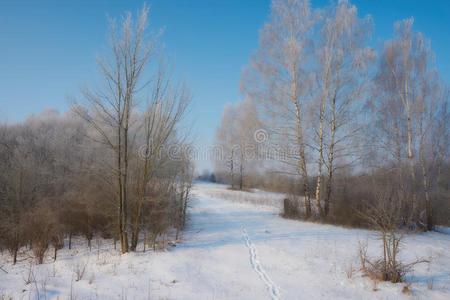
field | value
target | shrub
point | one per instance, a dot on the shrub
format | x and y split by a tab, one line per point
290	208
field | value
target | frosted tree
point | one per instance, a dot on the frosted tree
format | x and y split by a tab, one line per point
411	106
246	125
343	62
236	139
225	157
159	125
110	109
277	79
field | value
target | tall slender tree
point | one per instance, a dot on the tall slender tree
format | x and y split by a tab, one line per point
343	58
110	109
277	79
410	106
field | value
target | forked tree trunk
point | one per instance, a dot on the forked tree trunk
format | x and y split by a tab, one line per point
135	230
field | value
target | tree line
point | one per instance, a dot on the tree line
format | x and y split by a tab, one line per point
357	120
103	167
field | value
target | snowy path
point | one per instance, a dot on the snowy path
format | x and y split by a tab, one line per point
294	260
232	250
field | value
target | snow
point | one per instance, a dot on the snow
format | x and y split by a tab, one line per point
233	249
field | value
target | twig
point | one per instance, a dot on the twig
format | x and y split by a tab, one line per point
419	261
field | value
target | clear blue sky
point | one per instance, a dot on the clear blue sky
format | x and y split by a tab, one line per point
48	49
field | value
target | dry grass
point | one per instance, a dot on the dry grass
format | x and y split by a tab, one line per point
250	197
80	270
387	268
407	289
349	271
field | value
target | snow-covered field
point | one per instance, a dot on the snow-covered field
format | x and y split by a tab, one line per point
233	250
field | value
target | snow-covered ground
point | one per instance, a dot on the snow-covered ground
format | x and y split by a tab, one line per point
233	250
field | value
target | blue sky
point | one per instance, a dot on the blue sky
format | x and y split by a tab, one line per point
48	49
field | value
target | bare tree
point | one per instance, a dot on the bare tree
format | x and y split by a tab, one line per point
110	110
236	138
248	125
410	107
312	62
433	117
63	175
160	120
225	159
278	80
343	63
384	215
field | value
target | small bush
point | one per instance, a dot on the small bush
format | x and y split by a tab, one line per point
290	208
385	217
80	270
407	289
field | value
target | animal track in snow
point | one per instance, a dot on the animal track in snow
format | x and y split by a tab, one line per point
273	289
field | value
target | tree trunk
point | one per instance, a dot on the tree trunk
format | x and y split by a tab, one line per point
241	171
136	228
145	240
300	138
15	255
331	158
426	185
320	158
185	208
120	194
231	168
141	194
134	238
302	161
125	247
407	106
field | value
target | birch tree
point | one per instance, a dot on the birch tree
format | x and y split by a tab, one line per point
410	104
277	78
343	61
433	133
